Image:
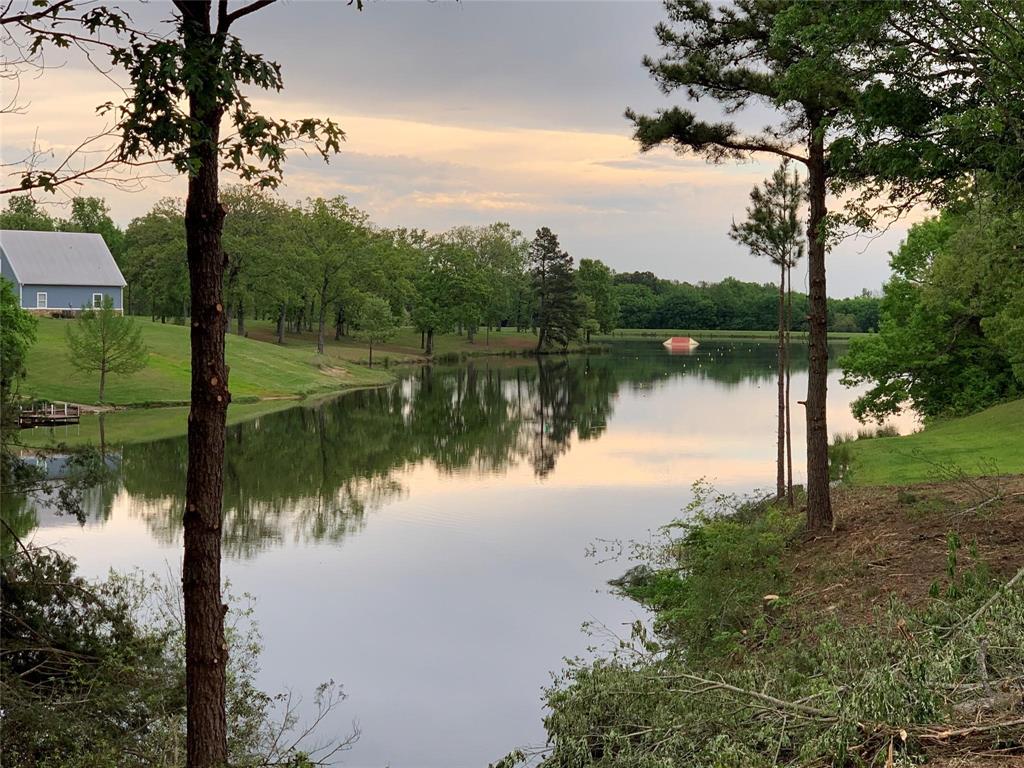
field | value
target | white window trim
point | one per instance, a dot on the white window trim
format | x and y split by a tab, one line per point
44	304
98	305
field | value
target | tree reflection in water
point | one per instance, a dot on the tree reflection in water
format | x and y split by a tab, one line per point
313	472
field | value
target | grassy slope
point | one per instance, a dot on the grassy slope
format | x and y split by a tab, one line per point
257	370
138	425
405	346
989	442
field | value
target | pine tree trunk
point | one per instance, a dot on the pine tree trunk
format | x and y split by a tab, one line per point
819	502
205	647
780	463
789	432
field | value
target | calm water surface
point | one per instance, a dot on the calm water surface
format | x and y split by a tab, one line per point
424	544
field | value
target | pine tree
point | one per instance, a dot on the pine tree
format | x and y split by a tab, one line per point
773	230
105	341
554	287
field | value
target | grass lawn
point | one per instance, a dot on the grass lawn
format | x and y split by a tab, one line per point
258	371
664	333
985	443
138	425
404	347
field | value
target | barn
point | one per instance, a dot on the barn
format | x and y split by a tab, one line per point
57	272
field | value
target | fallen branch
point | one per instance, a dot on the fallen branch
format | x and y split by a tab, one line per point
955	733
988	603
793	706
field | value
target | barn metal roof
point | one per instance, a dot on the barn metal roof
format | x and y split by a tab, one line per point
60	258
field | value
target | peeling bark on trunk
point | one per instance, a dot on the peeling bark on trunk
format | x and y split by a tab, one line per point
819	502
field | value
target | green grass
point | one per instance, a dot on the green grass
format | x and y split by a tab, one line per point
257	370
989	442
138	425
405	346
664	333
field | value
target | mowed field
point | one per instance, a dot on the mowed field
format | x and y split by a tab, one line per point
257	370
987	443
404	347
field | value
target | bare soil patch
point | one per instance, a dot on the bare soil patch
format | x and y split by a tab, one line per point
894	541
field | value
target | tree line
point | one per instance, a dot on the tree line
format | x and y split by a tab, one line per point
318	266
648	301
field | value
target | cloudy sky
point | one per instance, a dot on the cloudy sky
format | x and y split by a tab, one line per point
476	112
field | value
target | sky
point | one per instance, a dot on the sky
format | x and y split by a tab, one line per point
470	113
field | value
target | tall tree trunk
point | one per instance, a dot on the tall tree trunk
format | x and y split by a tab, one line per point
423	338
205	647
819	502
280	323
321	325
780	463
430	342
241	317
103	382
338	320
789	432
371	354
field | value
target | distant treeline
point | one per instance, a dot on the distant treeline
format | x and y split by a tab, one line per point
316	265
648	301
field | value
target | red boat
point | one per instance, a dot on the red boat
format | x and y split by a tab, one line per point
680	342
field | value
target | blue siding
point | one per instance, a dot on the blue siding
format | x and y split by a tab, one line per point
69	296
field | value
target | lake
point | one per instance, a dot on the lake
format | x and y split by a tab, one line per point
426	544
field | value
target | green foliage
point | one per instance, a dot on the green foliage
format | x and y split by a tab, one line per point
23	212
950	339
154	263
595	284
17	334
713	569
375	323
555	291
105	341
816	692
647	301
94	672
83	681
773	228
92	214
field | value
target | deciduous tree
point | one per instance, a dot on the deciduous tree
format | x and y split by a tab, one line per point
375	322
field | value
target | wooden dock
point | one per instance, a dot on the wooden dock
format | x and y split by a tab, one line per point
49	415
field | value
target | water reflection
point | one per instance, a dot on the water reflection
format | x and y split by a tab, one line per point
311	473
492	480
